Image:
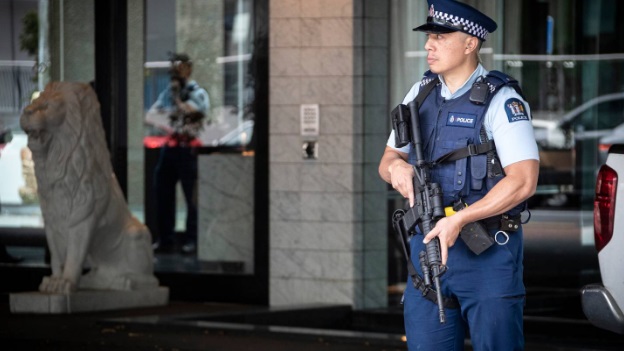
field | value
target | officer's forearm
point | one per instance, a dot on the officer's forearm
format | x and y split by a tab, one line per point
518	185
390	157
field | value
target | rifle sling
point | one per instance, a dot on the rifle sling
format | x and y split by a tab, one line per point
470	150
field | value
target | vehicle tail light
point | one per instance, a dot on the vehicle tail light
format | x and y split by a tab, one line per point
604	206
604	147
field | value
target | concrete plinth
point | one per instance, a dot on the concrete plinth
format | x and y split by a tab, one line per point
87	300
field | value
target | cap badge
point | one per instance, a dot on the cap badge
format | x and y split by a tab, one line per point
431	11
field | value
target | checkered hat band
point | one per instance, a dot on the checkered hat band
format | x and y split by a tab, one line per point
469	26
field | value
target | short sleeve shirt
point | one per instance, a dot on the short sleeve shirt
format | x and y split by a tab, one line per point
514	137
198	98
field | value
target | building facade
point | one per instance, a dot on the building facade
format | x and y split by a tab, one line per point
291	208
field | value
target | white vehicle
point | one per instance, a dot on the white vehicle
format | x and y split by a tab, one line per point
603	303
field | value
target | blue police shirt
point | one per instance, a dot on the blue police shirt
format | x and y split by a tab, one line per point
505	121
198	98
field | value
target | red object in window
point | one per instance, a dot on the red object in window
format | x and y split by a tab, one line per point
604	206
154	142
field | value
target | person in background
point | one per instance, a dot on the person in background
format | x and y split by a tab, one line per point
186	104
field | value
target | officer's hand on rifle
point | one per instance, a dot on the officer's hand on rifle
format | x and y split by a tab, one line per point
447	230
402	178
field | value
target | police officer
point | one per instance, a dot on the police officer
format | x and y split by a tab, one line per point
468	106
187	104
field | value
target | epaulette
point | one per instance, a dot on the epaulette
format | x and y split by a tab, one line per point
497	79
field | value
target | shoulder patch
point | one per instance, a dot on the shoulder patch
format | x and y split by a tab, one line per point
515	110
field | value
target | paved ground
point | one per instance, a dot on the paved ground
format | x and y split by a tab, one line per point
90	331
119	330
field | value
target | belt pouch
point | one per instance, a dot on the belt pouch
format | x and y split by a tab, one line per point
476	237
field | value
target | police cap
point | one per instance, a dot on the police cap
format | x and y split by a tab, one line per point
178	58
446	16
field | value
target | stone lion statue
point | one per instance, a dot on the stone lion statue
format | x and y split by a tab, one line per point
87	221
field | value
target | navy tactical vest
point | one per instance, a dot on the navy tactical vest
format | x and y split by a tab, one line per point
448	125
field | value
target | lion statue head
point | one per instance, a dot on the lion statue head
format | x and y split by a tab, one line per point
64	123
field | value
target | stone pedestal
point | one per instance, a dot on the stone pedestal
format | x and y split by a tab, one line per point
87	300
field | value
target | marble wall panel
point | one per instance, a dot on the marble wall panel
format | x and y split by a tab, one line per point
331	149
332	90
287	148
311	61
337	31
321	61
286	8
340	119
286	119
226	209
295	291
311	33
337	61
328	236
310	177
315	264
327	177
320	209
287	62
285	90
330	8
285	206
285	177
339	148
336	207
286	32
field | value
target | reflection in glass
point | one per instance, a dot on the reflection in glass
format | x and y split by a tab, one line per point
218	36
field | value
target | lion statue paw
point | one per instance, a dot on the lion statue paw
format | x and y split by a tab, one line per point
57	285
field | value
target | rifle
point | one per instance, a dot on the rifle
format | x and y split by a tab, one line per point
428	209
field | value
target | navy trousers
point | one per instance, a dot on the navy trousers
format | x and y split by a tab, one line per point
491	295
175	164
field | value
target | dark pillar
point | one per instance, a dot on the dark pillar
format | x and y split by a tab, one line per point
111	57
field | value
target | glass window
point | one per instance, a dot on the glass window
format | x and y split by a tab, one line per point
33	53
191	119
199	149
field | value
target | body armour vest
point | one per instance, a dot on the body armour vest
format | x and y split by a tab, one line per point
448	125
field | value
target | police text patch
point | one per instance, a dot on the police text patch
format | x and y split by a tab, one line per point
515	110
458	119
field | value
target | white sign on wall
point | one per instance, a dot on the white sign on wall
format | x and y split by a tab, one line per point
310	120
